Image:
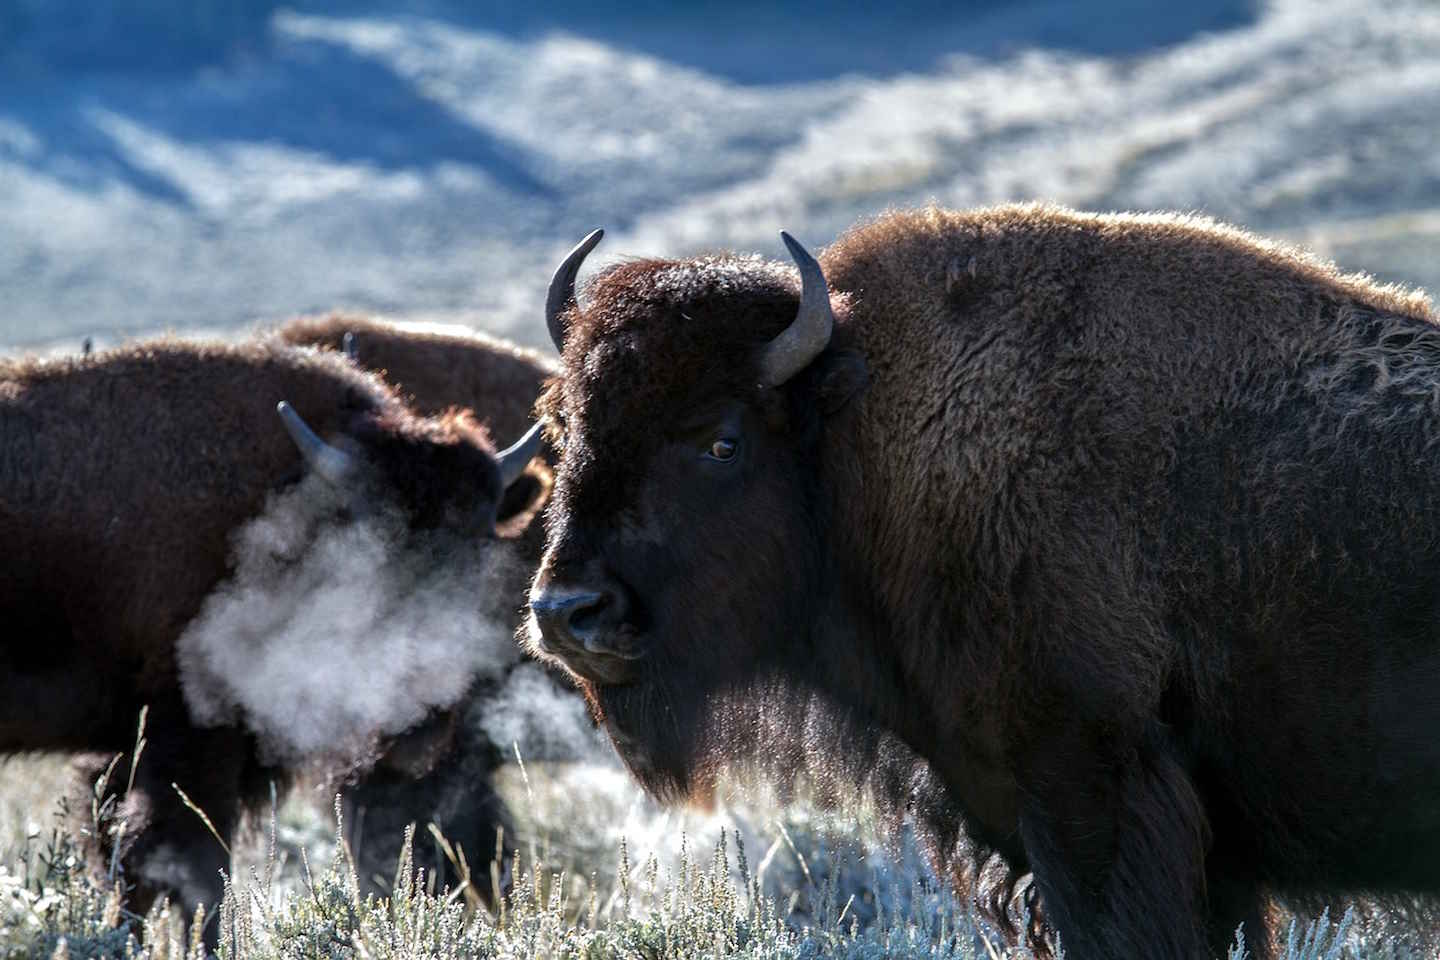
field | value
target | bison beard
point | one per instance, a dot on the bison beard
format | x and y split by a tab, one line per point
1122	529
801	742
795	739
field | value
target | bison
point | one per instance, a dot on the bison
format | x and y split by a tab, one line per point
1114	540
123	480
435	371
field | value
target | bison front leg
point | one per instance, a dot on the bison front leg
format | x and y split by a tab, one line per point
1117	846
166	848
1236	900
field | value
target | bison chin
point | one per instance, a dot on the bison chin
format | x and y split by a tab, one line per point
658	735
680	743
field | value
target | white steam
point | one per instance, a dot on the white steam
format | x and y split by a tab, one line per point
332	633
544	719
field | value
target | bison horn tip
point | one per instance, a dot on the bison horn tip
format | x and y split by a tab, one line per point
335	466
513	459
809	333
562	286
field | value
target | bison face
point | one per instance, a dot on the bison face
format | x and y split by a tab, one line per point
688	553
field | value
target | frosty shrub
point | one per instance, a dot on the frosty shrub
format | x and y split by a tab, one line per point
709	906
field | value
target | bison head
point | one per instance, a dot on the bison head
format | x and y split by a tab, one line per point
690	568
441	472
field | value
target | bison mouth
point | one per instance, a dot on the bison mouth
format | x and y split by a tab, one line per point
618	664
603	670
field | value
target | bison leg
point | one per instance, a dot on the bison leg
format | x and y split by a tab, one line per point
1235	900
165	848
456	793
468	815
1118	853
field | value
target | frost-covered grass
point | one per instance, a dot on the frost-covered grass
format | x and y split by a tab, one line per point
29	788
707	906
721	899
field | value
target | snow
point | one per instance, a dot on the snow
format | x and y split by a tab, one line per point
437	165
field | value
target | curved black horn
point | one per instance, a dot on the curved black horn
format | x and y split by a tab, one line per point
809	332
562	286
512	459
348	345
336	466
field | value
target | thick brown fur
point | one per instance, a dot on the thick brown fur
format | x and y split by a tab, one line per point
435	371
122	478
1126	527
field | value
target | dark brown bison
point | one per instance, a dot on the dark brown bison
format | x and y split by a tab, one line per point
434	372
124	478
1128	527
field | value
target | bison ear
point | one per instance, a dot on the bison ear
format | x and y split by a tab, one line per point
522	496
841	376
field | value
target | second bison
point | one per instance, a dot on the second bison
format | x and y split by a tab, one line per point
124	478
435	370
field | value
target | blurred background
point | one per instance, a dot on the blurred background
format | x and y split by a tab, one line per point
203	165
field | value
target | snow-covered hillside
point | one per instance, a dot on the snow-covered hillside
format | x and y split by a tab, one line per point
437	165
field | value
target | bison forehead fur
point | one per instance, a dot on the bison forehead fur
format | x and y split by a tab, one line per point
1130	530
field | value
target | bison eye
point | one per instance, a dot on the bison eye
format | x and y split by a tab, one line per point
723	450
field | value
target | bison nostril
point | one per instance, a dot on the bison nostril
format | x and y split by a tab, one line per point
584	617
581	619
562	608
